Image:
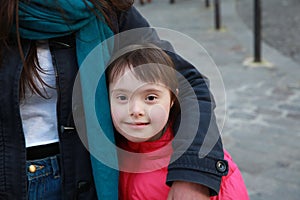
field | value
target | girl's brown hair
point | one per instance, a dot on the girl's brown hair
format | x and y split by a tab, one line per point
9	16
149	64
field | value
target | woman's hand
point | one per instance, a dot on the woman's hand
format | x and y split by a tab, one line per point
188	191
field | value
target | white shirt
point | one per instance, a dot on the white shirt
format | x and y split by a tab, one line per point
38	114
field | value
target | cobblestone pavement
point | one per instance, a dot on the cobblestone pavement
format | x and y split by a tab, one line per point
261	128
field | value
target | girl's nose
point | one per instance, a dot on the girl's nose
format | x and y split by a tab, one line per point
136	108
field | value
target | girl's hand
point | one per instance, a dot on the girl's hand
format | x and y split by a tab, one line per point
188	191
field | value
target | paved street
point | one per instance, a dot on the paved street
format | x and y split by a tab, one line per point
262	102
280	22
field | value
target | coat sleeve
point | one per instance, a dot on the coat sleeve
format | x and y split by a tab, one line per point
198	155
232	186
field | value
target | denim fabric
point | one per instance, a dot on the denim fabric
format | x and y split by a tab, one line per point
45	182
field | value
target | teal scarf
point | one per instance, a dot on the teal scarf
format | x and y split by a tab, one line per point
49	19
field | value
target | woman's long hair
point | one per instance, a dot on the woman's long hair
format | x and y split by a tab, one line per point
31	68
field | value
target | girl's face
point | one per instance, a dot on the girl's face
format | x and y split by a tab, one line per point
140	110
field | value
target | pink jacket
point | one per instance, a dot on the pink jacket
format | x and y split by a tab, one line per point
143	175
232	185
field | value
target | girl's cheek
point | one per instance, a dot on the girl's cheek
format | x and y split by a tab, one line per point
159	114
116	115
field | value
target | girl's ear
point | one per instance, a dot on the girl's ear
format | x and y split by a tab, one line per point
176	94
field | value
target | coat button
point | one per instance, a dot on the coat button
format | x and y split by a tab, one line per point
221	166
66	128
83	186
32	168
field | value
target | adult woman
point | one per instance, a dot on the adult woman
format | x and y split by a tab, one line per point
42	44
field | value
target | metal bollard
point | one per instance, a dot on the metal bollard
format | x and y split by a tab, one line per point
207	3
217	15
257	31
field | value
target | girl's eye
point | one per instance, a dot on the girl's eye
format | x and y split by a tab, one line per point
151	98
122	98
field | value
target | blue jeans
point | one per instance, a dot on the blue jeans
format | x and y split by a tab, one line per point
44	180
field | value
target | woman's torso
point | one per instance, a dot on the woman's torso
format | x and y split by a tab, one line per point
76	173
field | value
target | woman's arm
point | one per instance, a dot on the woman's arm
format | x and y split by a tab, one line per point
187	164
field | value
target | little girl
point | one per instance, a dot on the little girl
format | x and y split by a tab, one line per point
143	88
